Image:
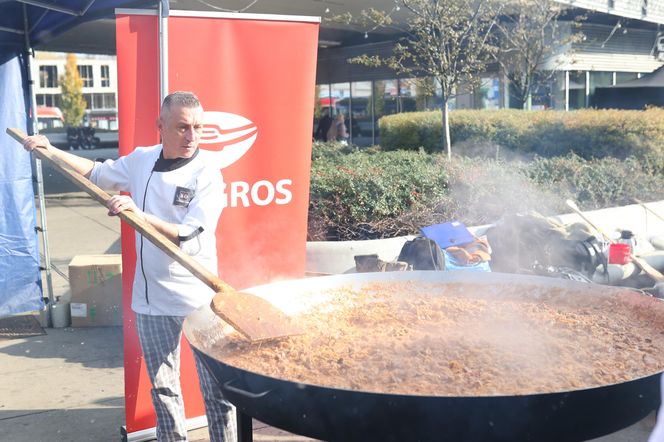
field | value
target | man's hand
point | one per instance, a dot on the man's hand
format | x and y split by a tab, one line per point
118	203
32	142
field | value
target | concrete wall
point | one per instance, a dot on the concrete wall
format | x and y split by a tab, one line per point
338	256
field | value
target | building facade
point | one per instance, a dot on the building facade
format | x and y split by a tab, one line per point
100	85
621	41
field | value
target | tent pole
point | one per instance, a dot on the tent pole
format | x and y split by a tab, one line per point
163	49
33	128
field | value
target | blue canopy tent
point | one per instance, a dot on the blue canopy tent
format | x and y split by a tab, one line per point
25	24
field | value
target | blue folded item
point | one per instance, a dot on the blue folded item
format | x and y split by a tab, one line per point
453	233
452	264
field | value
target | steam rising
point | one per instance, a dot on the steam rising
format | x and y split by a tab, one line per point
487	188
461	338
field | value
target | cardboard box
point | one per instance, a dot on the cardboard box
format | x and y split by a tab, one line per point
96	290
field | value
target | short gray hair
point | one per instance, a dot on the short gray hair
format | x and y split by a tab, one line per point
179	98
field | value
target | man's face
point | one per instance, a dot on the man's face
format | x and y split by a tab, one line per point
180	128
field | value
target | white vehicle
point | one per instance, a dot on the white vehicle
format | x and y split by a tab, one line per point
50	122
49	118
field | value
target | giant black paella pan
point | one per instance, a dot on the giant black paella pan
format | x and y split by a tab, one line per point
588	390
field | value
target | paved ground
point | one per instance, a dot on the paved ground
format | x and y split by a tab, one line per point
68	384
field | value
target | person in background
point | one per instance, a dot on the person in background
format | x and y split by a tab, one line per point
175	191
323	126
338	131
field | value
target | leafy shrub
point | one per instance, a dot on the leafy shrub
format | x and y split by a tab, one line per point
401	131
353	190
588	133
373	194
321	151
596	183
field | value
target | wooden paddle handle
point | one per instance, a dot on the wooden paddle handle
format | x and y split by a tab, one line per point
576	210
647	268
140	225
642	204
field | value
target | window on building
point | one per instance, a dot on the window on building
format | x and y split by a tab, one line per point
435	101
109	101
598	79
340	93
558	90
103	101
577	89
97	101
88	100
488	94
424	91
85	71
465	96
622	77
322	107
105	76
361	114
48	76
50	100
386	93
541	96
407	95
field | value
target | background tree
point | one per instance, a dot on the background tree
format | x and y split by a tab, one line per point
527	31
72	102
447	40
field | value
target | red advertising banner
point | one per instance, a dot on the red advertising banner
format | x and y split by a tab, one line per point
255	75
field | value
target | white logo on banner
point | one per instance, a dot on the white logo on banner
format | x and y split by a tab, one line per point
232	136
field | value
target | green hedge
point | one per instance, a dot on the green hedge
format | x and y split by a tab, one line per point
350	189
374	194
597	183
588	133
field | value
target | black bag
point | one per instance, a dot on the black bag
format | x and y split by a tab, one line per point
422	254
590	255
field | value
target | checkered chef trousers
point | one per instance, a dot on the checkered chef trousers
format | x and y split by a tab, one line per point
160	341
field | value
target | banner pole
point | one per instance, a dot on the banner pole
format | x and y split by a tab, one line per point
33	129
163	49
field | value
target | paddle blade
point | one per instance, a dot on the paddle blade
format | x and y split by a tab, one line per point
254	317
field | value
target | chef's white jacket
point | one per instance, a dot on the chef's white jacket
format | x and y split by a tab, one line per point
189	194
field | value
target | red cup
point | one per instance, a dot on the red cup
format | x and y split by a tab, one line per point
619	253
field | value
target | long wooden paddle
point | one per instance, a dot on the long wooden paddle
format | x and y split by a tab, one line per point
642	204
252	316
640	263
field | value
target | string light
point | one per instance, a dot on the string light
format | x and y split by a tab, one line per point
252	3
366	35
617	26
